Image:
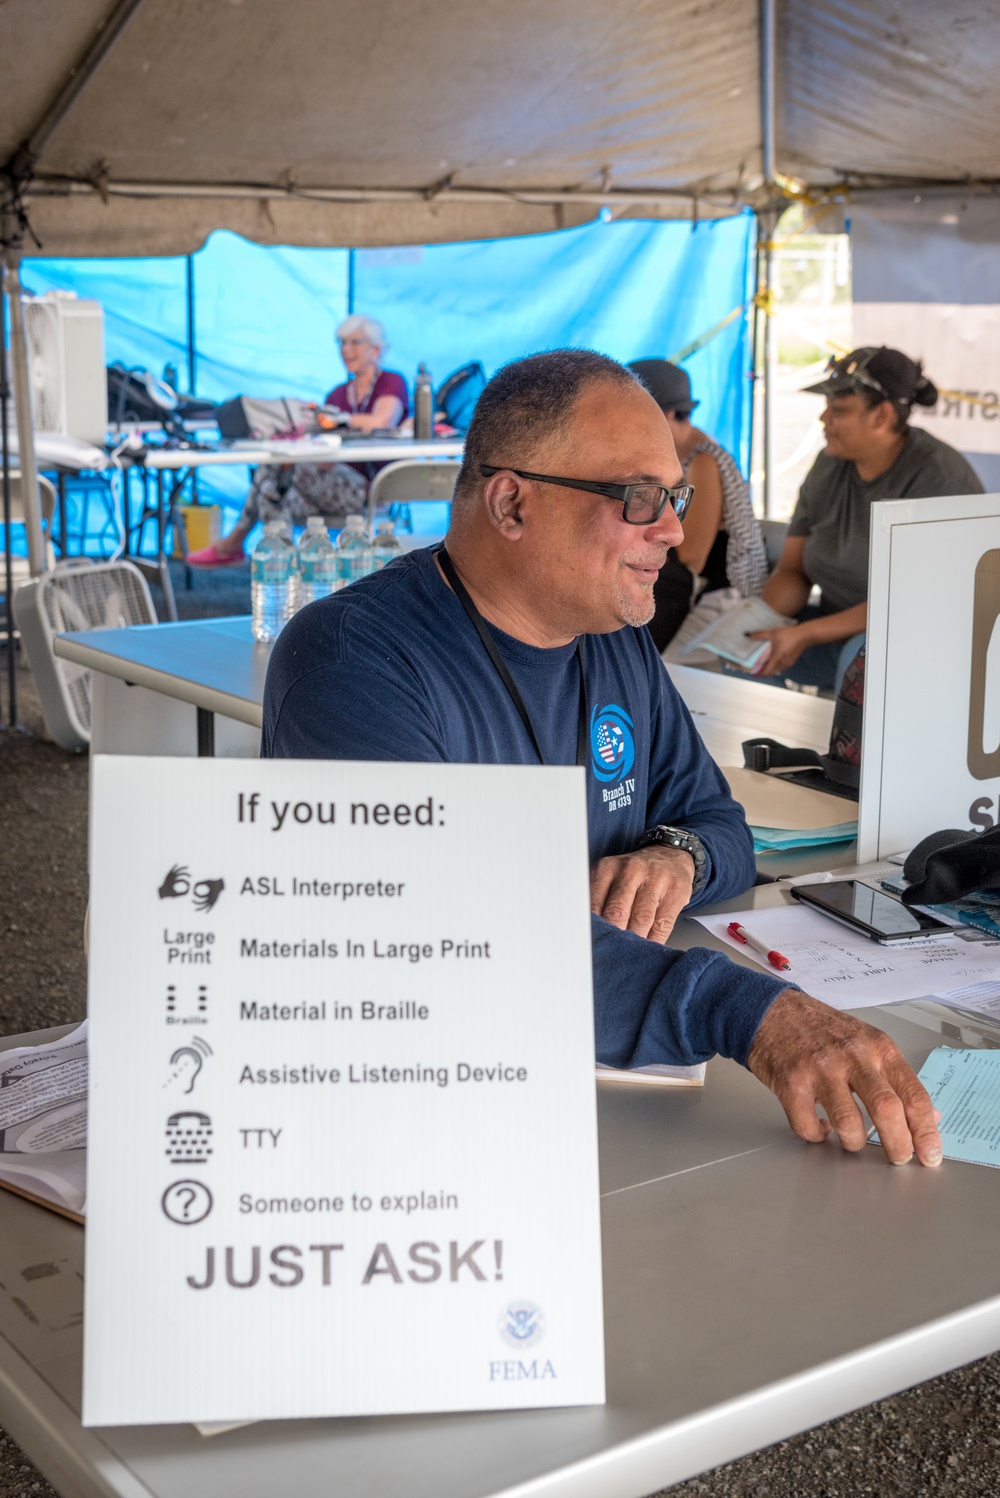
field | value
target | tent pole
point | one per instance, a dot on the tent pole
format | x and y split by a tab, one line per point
192	370
768	107
192	356
7	510
767	221
37	563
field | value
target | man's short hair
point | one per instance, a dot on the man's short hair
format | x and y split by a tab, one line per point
526	401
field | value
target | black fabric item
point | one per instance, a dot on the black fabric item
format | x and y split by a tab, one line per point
232	419
838	771
457	397
668	384
128	398
951	864
672	593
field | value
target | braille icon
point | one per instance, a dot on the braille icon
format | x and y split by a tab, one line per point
189	1138
171	998
202	998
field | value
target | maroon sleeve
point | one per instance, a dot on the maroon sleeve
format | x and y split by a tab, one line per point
391	383
338	398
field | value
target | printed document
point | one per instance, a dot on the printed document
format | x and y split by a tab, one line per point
43	1121
965	1087
850	971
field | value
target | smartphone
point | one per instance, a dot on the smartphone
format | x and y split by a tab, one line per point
863	908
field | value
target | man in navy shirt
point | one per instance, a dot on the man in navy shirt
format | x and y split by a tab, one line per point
522	641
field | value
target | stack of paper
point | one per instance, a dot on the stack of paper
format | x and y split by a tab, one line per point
847	969
728	635
783	815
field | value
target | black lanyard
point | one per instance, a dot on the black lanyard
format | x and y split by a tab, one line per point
479	625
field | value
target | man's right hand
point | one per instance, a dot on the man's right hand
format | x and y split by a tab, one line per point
809	1055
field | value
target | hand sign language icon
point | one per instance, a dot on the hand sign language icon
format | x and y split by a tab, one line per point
204	893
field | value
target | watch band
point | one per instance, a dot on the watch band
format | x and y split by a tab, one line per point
688	842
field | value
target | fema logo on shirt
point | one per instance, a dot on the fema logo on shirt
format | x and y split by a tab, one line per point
612	743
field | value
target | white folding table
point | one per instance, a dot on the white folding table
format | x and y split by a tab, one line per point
754	1286
182	462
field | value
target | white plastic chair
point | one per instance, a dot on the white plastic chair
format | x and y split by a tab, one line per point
413	481
774	533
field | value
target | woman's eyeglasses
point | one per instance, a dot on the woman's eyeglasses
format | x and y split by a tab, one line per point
641	503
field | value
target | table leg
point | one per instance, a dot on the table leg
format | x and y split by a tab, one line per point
162	561
63	541
206	733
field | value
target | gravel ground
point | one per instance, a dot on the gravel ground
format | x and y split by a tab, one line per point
937	1440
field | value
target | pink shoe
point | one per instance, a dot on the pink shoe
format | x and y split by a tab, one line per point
210	556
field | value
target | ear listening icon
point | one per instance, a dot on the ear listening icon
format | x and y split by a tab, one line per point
186	1063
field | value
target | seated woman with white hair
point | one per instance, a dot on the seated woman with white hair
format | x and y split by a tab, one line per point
374	398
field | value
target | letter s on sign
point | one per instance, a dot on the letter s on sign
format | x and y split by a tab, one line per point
980	814
295	1270
425	1262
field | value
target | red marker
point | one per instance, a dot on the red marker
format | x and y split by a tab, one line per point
741	934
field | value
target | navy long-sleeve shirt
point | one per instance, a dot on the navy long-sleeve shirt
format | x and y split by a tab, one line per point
392	669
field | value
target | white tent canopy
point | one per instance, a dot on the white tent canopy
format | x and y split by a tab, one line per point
137	127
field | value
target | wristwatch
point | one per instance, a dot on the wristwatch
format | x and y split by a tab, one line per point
688	842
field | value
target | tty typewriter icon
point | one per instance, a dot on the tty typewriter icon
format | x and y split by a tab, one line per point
189	1138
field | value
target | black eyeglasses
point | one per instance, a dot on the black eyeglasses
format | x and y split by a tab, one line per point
641	503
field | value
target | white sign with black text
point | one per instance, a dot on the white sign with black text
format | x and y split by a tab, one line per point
930	752
342	1137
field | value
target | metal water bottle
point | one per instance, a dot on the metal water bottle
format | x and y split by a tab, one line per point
423	406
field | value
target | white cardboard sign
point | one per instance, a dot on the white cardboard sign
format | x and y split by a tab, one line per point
930	756
342	1152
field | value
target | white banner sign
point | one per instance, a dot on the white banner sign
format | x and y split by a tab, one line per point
930	751
342	1131
960	349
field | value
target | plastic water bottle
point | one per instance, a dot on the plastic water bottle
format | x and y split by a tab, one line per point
317	561
423	405
385	546
353	551
274	582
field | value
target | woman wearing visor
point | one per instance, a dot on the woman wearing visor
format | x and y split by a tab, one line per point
871	453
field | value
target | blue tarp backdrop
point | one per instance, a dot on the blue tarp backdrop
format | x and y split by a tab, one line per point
264	319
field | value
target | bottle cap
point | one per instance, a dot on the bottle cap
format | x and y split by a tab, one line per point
315	523
386	528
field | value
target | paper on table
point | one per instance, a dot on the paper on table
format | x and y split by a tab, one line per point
43	1121
728	634
771	802
850	971
775	839
659	1075
965	1087
977	998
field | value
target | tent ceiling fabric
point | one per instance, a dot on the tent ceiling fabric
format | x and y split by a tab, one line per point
508	96
889	88
319	122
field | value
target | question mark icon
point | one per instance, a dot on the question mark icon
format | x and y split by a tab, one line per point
186	1202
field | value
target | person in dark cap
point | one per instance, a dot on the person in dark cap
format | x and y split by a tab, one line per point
871	453
722	547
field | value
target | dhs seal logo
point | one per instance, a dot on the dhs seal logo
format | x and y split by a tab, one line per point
612	743
521	1324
